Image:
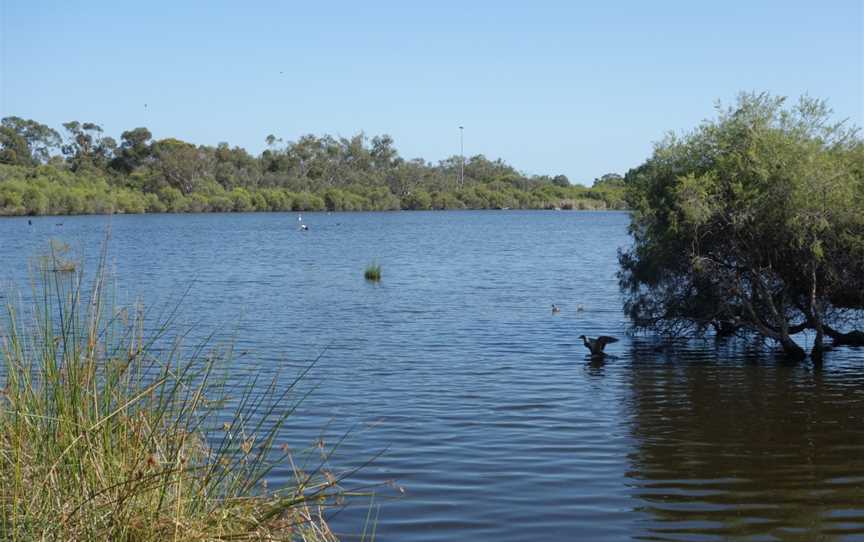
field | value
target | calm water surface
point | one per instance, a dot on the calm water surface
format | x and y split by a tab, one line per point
489	413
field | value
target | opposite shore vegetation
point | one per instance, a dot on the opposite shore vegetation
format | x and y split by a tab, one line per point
82	170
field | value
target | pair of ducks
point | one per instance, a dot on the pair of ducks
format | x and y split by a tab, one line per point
556	309
597	345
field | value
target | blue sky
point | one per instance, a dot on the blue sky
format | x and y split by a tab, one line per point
580	88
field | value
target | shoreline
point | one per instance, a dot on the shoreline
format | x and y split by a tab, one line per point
316	212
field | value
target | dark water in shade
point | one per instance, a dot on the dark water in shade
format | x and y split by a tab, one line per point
493	419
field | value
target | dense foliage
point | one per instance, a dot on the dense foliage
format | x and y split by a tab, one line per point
752	224
42	172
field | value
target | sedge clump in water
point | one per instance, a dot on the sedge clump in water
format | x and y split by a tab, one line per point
373	272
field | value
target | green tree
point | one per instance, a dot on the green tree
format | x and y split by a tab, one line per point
179	163
609	180
383	154
40	139
134	150
87	146
751	224
417	200
13	148
561	180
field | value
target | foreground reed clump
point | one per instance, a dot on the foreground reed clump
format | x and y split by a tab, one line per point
373	272
109	431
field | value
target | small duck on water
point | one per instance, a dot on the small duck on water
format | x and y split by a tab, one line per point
555	309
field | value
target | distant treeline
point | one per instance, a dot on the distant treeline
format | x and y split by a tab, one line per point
84	171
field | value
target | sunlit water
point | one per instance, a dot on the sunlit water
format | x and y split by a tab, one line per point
486	408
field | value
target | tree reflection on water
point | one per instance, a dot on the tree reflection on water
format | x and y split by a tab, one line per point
731	446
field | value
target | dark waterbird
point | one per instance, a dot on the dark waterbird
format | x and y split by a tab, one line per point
597	345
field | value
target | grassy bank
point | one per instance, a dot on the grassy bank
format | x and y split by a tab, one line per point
112	430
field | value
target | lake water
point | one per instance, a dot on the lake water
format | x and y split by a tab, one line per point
489	413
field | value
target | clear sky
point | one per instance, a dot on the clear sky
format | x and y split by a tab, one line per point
580	88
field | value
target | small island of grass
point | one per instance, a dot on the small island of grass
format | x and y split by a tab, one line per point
373	272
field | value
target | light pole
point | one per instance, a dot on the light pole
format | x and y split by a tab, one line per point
461	157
